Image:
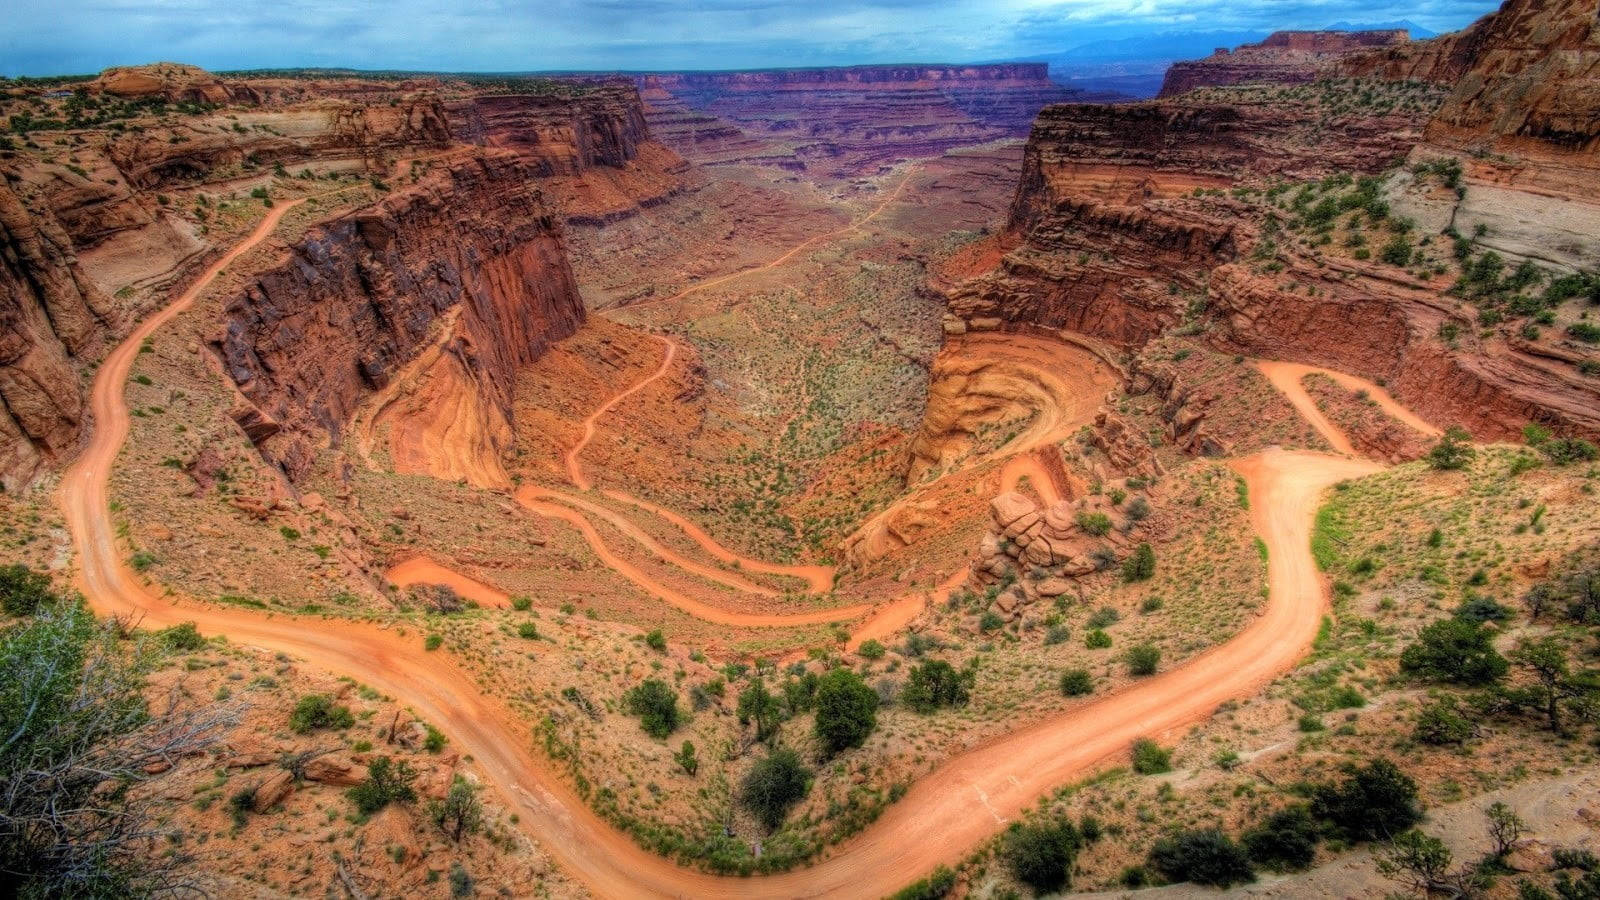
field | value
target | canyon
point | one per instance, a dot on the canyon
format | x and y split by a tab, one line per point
582	424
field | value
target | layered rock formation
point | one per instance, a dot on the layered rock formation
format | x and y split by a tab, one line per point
51	318
1035	554
464	272
846	120
1285	57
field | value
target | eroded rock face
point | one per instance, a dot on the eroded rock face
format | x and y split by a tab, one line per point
1285	57
469	263
846	120
51	315
1035	554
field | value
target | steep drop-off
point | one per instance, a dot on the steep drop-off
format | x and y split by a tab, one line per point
463	273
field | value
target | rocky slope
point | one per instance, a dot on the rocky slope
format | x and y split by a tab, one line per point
99	227
453	283
845	120
1285	57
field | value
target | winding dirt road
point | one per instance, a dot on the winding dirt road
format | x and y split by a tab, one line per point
1289	377
944	815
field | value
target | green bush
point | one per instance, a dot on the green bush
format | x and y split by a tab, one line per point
656	640
435	740
1374	801
23	591
528	631
1141	565
1097	640
1103	617
1041	855
1095	523
314	711
847	710
1442	722
181	638
1149	758
387	782
1453	451
1564	451
1587	332
934	684
1397	252
774	785
1204	856
433	642
1454	650
1076	682
871	649
937	885
656	705
1284	841
522	603
1143	659
686	759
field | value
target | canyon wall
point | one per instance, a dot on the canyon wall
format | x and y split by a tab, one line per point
464	271
1285	57
51	319
846	120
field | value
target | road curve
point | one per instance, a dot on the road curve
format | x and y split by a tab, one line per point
1289	377
944	815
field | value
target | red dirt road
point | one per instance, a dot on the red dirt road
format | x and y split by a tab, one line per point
943	816
1288	378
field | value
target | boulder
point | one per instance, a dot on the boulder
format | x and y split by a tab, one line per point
335	768
1009	507
271	792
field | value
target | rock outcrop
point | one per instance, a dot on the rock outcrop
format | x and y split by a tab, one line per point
1285	57
464	272
51	319
846	120
1031	554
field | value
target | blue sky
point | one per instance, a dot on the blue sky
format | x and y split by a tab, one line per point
70	36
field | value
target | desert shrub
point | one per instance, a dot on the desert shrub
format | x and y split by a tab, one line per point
1141	565
1076	682
1454	650
1097	640
1453	451
1372	802
1479	608
656	705
522	603
1397	252
387	782
686	759
1041	854
774	785
1103	617
937	885
528	631
847	710
1564	451
1095	523
1587	332
181	638
434	739
22	590
460	812
1143	659
871	649
314	711
1149	758
934	684
433	642
1284	841
1203	856
656	640
1442	722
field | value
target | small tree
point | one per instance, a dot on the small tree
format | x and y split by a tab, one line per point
934	684
1141	566
847	710
1442	722
1505	827
1204	856
686	759
1422	864
1453	451
1041	855
1285	841
757	704
460	813
387	782
1374	801
1555	689
1454	650
656	705
773	785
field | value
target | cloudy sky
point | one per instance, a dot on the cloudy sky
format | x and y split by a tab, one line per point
70	36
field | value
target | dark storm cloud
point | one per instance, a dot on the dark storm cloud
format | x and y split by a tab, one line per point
501	35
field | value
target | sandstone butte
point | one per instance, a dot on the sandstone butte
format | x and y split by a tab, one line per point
381	322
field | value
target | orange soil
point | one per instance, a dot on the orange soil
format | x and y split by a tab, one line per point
961	803
422	570
1287	378
1025	465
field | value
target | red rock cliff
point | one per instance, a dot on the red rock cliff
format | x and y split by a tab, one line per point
1285	57
452	284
